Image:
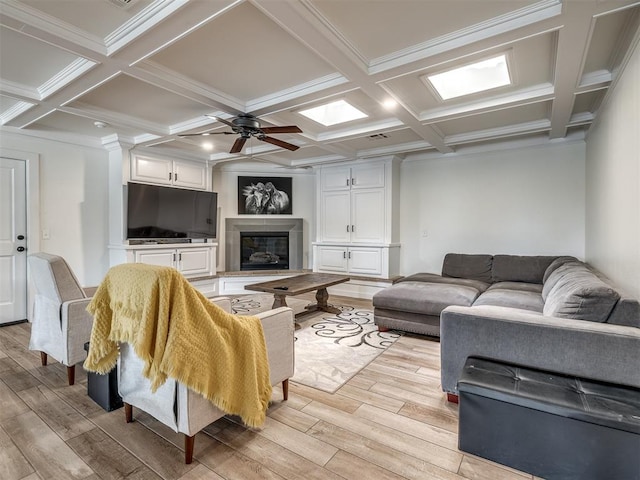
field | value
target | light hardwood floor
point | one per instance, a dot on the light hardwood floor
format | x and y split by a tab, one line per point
391	421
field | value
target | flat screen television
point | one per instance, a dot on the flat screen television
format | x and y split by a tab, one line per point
155	212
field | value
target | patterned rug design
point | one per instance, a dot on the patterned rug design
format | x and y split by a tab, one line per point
330	348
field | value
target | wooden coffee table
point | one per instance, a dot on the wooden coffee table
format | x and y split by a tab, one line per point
301	284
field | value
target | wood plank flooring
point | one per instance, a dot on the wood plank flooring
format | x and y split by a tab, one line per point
391	421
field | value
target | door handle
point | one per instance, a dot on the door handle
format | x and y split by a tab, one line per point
20	237
21	249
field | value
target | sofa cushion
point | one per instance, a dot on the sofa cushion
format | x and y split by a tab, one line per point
522	286
423	297
435	278
581	295
562	272
521	299
462	265
517	268
558	262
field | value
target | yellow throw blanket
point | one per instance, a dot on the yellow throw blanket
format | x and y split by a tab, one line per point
180	334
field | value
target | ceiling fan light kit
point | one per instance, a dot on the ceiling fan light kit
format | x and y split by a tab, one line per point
247	126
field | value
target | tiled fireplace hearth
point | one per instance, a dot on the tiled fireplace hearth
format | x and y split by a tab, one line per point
258	243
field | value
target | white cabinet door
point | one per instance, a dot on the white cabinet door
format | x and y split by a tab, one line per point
194	261
335	179
190	175
367	176
365	261
367	215
335	221
153	170
163	257
331	259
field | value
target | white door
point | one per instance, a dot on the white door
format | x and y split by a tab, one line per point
13	241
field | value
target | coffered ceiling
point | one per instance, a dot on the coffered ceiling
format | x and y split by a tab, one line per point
154	69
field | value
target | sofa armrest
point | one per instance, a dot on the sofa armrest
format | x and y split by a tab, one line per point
76	329
598	351
223	302
279	327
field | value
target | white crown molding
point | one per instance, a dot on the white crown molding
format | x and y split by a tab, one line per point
39	20
400	149
360	130
496	133
317	85
15	89
597	78
61	137
117	119
141	23
481	31
12	112
166	78
65	76
525	96
582	118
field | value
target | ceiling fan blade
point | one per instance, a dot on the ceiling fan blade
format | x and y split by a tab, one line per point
279	143
287	129
238	144
205	134
221	120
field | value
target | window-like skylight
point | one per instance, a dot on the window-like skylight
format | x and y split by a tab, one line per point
472	78
333	113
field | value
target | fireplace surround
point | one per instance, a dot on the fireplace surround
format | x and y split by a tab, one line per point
235	228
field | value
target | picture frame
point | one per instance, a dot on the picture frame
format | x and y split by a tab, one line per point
265	196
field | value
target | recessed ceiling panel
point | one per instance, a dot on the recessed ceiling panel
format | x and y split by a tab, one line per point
122	95
244	54
497	119
381	27
379	140
602	48
588	102
66	122
530	64
98	17
18	52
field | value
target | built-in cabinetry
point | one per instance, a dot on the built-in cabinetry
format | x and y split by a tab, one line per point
180	173
190	259
357	227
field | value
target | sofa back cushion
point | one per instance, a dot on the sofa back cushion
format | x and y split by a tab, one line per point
580	294
558	262
517	268
463	265
560	273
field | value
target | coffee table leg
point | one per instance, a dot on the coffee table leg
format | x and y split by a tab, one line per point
279	301
321	297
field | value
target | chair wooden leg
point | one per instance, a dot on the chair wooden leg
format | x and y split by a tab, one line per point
71	374
128	413
188	448
43	359
285	388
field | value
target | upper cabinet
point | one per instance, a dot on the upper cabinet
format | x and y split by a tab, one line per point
358	222
180	173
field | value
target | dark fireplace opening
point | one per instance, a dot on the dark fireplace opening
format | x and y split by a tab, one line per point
264	250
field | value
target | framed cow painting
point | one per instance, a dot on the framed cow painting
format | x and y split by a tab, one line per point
265	196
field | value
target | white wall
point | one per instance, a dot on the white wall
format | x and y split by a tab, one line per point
613	183
73	202
225	182
527	201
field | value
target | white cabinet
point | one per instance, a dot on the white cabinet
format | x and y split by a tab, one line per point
352	204
355	260
358	219
180	173
192	260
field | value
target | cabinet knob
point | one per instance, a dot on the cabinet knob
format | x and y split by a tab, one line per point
344	254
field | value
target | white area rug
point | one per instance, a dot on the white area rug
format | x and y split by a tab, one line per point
330	348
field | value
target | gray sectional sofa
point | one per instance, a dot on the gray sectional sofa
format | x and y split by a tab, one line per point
550	313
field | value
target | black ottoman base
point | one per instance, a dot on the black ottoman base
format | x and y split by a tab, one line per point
540	424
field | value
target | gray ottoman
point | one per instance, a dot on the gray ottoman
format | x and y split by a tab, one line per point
549	425
416	306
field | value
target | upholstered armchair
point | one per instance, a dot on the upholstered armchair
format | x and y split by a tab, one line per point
61	324
182	409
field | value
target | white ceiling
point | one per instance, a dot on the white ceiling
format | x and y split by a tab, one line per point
152	69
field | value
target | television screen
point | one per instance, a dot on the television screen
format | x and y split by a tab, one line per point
167	212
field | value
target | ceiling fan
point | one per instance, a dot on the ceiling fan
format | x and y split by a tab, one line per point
248	126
